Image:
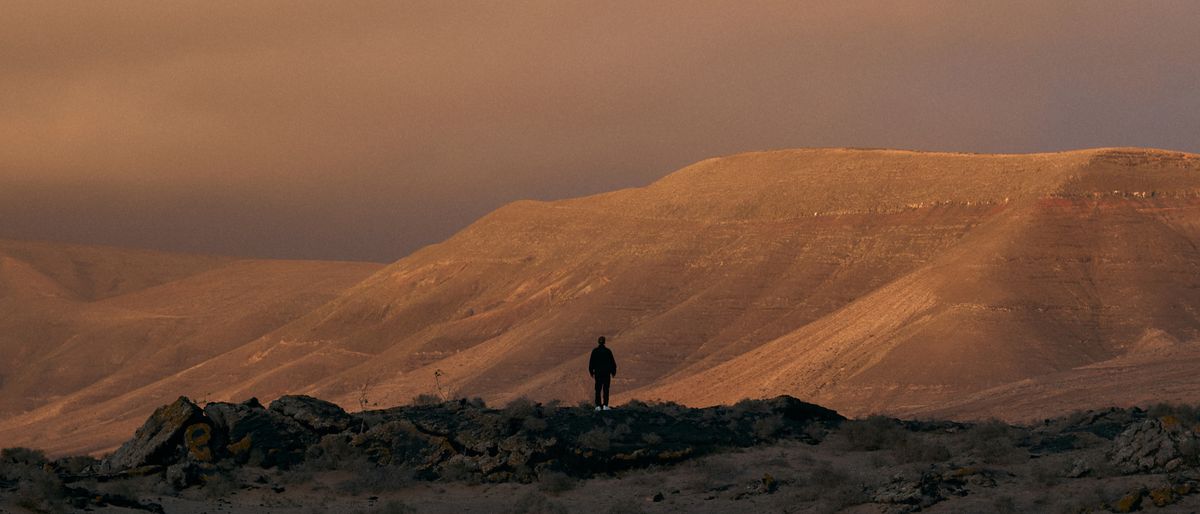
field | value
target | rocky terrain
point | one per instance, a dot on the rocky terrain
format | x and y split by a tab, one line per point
959	286
302	454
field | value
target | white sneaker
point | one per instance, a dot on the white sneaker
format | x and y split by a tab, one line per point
598	408
607	407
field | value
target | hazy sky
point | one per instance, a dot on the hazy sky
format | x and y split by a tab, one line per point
364	130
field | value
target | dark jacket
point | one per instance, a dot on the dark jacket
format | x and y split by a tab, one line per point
602	363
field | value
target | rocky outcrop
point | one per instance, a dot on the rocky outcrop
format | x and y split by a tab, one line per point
1155	445
260	436
174	432
913	493
319	416
457	439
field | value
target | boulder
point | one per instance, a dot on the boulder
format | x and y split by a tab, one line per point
319	416
793	409
174	432
1154	446
259	436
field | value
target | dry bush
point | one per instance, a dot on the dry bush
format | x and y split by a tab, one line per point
767	428
425	400
596	439
916	448
332	452
519	408
1005	504
556	482
827	488
391	507
872	434
1187	414
715	473
220	485
534	424
37	489
370	478
533	502
625	506
994	442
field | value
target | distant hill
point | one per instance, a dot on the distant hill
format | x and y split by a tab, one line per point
866	280
82	325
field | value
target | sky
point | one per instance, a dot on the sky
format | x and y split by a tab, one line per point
363	130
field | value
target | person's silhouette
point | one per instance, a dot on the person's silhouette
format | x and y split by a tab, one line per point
602	366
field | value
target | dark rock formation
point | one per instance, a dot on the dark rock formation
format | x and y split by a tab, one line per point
174	432
1155	445
457	439
319	416
258	435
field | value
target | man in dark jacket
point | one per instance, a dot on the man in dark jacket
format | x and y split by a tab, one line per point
602	366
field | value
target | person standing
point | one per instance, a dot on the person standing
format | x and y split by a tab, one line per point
602	366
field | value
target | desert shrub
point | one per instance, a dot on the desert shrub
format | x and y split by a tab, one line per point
23	456
41	491
748	406
397	507
534	424
76	465
621	431
625	506
919	449
651	438
534	503
220	485
767	428
596	439
459	469
1188	414
391	507
1047	474
555	482
425	400
715	473
1005	505
332	452
517	412
994	442
828	488
374	479
872	434
477	403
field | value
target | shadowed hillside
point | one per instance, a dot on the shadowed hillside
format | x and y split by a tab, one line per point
866	280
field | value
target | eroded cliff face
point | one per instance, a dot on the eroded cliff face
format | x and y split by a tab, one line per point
867	280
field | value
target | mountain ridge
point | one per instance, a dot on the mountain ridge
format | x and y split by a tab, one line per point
838	276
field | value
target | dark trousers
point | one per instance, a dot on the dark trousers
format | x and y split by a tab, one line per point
602	381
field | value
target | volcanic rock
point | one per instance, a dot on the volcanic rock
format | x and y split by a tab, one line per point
161	439
321	416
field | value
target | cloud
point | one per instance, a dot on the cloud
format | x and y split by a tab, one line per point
367	129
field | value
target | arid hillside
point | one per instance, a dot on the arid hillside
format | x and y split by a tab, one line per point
81	325
865	280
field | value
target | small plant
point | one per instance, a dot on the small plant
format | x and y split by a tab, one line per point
443	392
425	400
596	439
534	424
535	503
767	428
555	482
872	434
